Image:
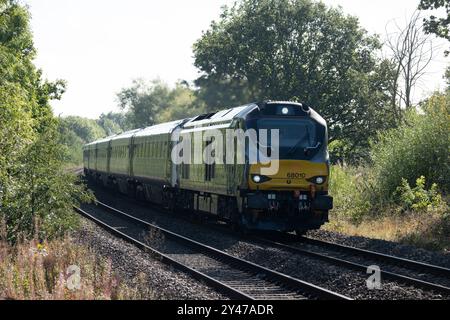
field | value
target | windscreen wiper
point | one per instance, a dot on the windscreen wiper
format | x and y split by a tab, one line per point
308	149
305	150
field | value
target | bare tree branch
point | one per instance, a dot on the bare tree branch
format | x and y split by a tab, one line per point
412	51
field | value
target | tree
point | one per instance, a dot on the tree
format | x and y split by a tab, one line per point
113	122
142	102
412	52
418	147
148	104
298	50
182	104
87	129
34	188
437	25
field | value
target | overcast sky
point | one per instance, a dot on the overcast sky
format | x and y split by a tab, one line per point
99	46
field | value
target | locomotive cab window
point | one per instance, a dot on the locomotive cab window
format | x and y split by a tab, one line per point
296	136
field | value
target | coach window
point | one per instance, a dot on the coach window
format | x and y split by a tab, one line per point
210	169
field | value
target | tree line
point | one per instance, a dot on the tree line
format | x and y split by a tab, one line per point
304	51
36	194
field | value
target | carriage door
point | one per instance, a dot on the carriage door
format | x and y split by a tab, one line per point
108	157
174	168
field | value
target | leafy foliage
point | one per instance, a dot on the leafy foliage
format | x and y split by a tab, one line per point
113	123
391	198
77	131
34	190
298	50
418	198
437	25
352	201
148	104
418	148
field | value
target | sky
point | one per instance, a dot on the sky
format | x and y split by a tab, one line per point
100	46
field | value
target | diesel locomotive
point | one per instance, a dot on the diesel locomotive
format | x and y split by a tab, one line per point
140	163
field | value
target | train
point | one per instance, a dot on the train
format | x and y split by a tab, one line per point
240	186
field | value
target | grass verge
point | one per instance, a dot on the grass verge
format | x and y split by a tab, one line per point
61	270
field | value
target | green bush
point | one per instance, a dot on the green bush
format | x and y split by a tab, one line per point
418	198
348	186
420	147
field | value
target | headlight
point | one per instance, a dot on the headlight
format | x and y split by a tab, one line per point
259	178
320	180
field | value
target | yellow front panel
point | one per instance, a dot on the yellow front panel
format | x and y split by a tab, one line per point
292	175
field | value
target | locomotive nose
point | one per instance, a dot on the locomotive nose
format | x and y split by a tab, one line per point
292	175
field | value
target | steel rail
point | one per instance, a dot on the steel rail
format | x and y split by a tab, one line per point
231	292
416	265
358	267
305	288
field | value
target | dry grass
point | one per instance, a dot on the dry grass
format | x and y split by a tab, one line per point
41	272
428	231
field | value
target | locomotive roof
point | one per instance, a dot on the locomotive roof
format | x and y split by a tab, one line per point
219	118
222	116
162	128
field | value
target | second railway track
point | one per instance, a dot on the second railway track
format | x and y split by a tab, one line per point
344	255
237	278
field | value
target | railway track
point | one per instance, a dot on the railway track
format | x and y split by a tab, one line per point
415	265
235	277
340	256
